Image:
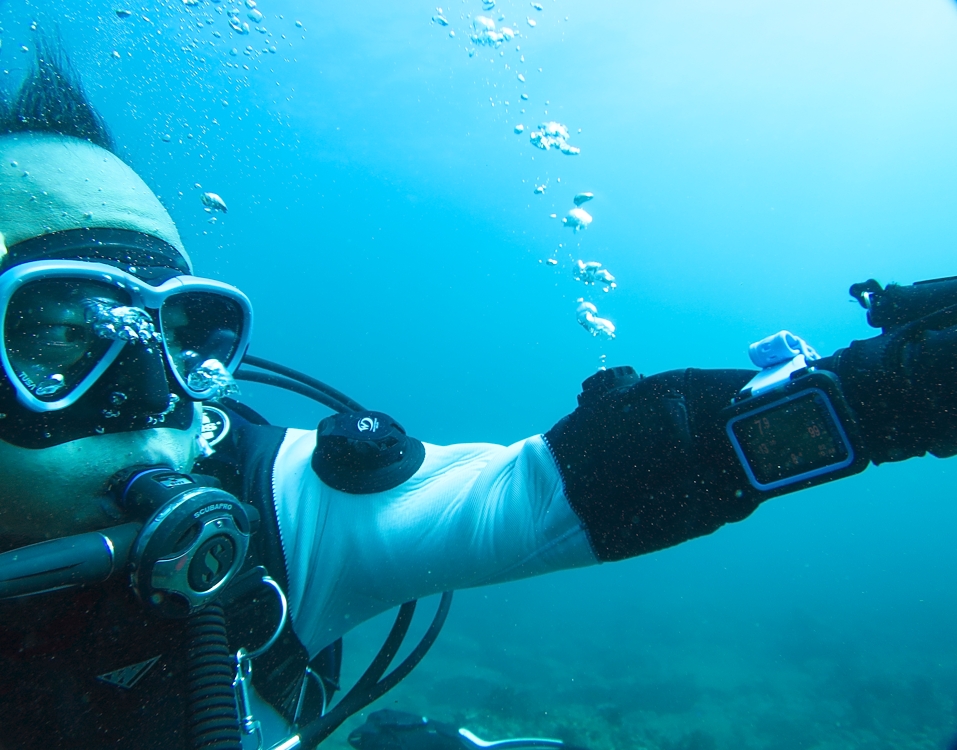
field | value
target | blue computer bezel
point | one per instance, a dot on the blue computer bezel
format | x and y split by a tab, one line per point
821	382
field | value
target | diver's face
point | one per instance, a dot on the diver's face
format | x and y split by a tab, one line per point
51	492
62	489
56	184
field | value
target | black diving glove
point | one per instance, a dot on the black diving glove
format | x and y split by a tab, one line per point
902	384
645	461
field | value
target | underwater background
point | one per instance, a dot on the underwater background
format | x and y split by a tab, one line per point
749	160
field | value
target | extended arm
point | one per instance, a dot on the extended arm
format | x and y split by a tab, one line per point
642	464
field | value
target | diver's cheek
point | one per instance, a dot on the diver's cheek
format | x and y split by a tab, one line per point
60	490
186	446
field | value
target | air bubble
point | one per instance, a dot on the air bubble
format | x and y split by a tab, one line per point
591	273
553	135
484	33
213	202
213	380
577	219
588	319
121	323
50	385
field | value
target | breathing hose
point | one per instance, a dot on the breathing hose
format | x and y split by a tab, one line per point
213	719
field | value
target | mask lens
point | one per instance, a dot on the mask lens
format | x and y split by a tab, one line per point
200	326
50	341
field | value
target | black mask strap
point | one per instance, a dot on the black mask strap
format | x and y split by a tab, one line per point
152	258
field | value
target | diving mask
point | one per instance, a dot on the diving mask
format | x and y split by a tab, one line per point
64	322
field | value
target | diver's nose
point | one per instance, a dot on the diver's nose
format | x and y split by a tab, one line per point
139	374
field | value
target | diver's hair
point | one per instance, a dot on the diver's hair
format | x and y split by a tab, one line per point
51	100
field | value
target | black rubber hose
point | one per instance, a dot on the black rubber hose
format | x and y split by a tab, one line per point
268	378
369	688
265	364
213	717
388	651
417	654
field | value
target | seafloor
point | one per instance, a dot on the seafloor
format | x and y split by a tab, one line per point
798	687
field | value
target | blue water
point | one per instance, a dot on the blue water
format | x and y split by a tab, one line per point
750	160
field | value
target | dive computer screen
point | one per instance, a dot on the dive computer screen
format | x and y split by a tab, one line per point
791	440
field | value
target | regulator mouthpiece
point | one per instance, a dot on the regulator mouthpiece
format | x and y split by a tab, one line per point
193	542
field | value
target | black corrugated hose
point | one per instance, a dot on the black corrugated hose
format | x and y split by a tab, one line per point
213	717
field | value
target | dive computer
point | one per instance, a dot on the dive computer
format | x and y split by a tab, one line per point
791	425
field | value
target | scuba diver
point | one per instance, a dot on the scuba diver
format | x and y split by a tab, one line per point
177	573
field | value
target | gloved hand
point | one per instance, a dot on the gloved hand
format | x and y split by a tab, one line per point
646	463
903	387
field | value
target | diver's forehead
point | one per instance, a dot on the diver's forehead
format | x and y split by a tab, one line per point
51	183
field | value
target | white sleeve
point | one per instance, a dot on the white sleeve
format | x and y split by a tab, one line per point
473	514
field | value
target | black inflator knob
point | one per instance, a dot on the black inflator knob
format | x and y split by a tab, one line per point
365	452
